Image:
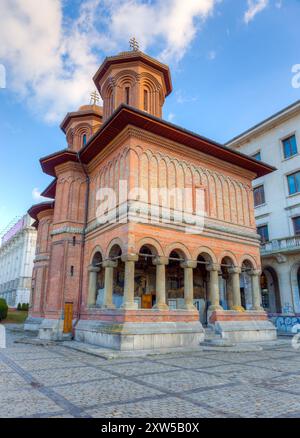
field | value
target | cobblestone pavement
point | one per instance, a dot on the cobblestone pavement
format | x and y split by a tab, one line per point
54	381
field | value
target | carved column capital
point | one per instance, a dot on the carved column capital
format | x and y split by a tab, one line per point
213	267
189	264
110	264
129	258
160	261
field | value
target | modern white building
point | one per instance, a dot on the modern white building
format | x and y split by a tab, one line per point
276	141
17	252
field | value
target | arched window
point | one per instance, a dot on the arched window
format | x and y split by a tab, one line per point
84	139
127	95
146	105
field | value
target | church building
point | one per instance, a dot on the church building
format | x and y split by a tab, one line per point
149	232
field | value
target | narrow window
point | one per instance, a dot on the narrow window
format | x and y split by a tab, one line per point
127	95
294	183
263	231
290	147
74	241
259	196
84	138
72	271
146	100
296	223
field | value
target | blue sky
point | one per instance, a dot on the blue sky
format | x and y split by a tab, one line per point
231	65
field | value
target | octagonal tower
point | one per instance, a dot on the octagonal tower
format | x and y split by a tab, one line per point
135	79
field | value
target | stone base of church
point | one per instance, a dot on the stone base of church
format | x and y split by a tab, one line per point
142	330
52	330
33	324
240	327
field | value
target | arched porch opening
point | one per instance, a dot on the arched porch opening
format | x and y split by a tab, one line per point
118	275
270	290
96	280
225	283
201	286
246	285
175	280
145	278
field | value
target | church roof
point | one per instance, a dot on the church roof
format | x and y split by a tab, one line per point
124	57
126	115
50	191
38	208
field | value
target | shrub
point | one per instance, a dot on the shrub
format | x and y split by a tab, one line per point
19	307
25	307
3	309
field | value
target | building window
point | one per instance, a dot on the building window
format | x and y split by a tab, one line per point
289	146
127	95
294	183
259	196
84	139
263	231
296	223
74	240
145	100
72	271
257	156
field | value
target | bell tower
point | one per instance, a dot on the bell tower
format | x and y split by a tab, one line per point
135	79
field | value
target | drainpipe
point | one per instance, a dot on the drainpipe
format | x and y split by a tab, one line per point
86	215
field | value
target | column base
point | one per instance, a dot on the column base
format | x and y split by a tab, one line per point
215	308
109	307
190	307
129	306
238	309
161	306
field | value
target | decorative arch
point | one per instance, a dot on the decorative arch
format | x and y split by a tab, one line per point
230	255
152	244
179	247
250	260
206	253
96	250
115	242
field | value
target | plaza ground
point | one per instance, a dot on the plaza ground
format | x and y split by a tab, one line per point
54	381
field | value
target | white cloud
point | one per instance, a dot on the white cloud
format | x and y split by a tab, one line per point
51	58
171	117
36	195
254	7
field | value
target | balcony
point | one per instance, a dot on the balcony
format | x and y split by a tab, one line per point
283	246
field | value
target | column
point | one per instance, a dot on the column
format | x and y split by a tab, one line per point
256	292
92	293
214	291
109	266
160	263
128	300
236	290
188	267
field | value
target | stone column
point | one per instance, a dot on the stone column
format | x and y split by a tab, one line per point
188	267
92	293
160	263
109	266
214	291
256	291
236	290
128	299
